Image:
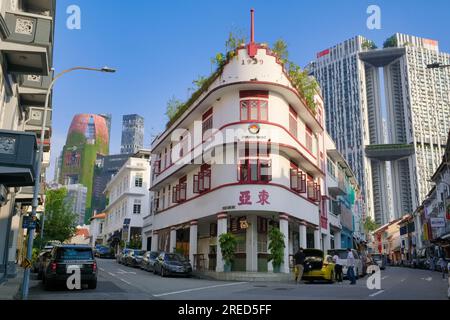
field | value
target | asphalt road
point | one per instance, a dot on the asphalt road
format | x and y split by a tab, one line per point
117	282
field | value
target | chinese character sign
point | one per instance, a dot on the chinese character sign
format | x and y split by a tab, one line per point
245	198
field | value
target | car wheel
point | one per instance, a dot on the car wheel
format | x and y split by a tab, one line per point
92	284
163	272
332	277
47	285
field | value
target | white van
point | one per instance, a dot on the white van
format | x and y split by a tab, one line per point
342	260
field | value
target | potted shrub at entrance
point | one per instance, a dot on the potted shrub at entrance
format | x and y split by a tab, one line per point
276	248
228	244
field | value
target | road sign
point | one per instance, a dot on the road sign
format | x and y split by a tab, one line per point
26	264
29	222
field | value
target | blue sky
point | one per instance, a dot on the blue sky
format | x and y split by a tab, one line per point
160	47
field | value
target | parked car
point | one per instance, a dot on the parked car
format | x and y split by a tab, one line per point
64	256
318	266
134	258
380	260
148	260
342	260
172	264
40	261
121	255
104	252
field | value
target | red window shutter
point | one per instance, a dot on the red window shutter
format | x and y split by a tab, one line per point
207	114
200	182
182	192
195	187
302	180
207	180
182	180
294	179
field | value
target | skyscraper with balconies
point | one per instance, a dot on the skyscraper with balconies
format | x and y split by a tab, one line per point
416	106
132	134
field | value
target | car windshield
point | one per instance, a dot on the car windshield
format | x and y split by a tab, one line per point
342	254
174	257
154	255
376	257
74	254
139	252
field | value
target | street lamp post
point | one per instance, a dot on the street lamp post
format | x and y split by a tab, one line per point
26	276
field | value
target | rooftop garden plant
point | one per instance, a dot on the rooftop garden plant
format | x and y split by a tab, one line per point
306	85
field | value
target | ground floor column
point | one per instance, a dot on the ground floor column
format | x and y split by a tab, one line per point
222	227
302	235
326	242
155	241
317	238
284	228
337	240
251	245
173	239
193	230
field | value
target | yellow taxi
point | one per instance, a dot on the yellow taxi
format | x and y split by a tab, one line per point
318	266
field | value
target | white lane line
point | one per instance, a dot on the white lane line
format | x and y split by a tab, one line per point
403	280
111	274
376	293
198	289
384	277
125	281
101	269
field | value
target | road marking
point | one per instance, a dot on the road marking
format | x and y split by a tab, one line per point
111	274
198	289
125	272
403	280
101	269
376	293
125	281
427	279
384	277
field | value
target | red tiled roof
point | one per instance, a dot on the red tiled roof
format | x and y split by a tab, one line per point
83	232
99	216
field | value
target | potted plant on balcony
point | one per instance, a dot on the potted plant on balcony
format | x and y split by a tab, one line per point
228	244
276	248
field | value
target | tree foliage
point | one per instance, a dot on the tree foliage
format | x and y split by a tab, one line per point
390	42
370	225
305	84
228	245
60	221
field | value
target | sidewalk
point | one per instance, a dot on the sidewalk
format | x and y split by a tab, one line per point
10	289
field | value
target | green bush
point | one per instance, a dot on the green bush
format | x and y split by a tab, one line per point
228	244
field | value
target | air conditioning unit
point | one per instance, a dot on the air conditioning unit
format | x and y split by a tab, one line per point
17	158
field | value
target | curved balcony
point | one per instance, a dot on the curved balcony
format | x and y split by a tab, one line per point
229	198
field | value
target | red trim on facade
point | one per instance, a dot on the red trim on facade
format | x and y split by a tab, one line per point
283	217
221	216
194	223
254	94
238	184
240	83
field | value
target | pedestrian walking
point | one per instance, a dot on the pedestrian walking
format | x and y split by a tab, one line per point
299	259
443	264
351	267
337	268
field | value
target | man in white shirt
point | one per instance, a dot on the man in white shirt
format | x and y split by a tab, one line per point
351	267
337	268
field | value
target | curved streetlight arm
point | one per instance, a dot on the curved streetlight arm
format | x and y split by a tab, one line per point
37	179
